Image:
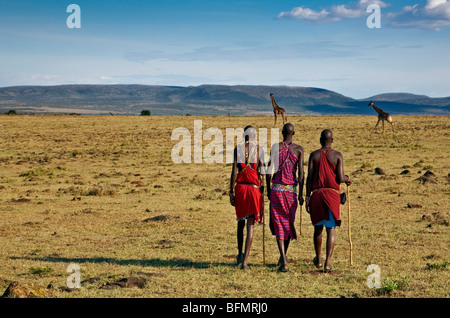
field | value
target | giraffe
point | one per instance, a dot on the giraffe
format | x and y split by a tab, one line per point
382	116
277	110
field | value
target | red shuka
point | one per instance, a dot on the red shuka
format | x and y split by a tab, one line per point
322	200
248	199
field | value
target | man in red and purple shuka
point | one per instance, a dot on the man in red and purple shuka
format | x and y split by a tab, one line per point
282	192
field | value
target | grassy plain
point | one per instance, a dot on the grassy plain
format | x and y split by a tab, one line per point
80	189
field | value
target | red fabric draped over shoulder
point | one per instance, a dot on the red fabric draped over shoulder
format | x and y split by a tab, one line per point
324	199
248	198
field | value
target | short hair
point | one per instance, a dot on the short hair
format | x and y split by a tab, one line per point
288	129
249	132
326	135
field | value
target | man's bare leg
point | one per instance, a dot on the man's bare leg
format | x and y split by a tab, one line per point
318	242
330	247
282	248
286	246
249	240
240	240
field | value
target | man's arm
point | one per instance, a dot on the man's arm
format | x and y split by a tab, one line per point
301	175
341	176
260	165
233	177
309	180
269	171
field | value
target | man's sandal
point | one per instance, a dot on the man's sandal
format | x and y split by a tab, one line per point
283	269
317	263
239	258
280	261
328	269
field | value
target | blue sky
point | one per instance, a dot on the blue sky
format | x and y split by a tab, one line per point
323	44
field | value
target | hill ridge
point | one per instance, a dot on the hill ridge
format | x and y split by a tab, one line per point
207	99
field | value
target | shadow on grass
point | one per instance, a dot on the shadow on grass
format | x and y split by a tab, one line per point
156	262
175	263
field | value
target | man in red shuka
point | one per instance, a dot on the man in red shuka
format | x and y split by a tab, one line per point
325	174
246	191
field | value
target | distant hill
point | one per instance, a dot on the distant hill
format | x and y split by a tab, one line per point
218	100
405	103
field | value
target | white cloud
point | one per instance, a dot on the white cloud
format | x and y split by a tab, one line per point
432	4
304	13
333	13
433	15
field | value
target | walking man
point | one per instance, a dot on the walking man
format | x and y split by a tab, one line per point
325	174
282	192
246	190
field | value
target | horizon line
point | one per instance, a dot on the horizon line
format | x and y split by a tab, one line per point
224	85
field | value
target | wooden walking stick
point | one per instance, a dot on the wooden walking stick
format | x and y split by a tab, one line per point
263	238
301	220
349	228
301	206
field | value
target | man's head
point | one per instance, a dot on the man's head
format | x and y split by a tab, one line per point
326	137
288	130
249	133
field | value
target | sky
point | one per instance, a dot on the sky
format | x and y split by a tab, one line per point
325	44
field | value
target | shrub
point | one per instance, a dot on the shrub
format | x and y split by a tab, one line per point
36	173
40	271
145	113
394	284
437	266
101	190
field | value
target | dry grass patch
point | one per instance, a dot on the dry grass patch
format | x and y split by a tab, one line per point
103	193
